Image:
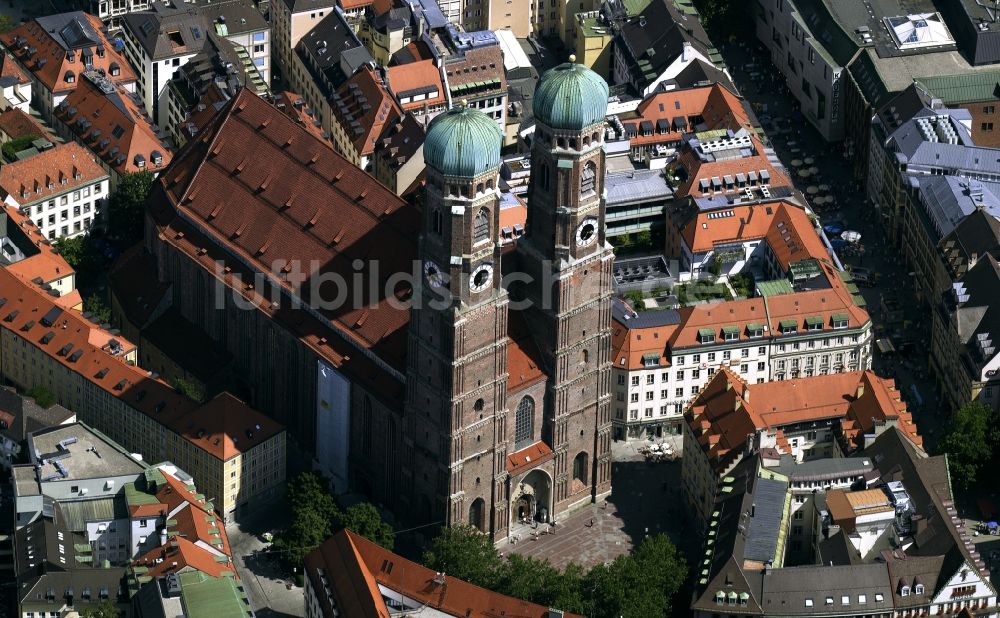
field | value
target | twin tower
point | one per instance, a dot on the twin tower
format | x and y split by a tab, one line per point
508	413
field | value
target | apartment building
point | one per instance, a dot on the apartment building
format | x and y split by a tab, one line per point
963	354
63	189
362	109
398	162
806	418
839	537
656	45
290	21
20	416
238	452
107	120
418	89
112	11
55	50
30	257
167	36
16	85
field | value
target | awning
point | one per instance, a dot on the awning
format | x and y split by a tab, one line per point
706	332
755	327
840	317
788	324
731	330
885	345
813	320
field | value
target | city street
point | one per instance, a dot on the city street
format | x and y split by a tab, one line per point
792	137
271	590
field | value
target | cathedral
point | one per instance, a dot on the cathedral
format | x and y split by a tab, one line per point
508	410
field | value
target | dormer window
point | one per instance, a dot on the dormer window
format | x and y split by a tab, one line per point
788	326
755	330
706	335
918	589
904	591
814	323
651	360
730	333
839	320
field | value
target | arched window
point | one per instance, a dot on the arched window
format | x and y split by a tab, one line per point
524	423
588	178
584	356
437	223
477	514
481	226
543	176
581	468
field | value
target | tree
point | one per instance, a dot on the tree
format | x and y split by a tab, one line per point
97	308
16	145
312	508
126	210
466	553
190	388
970	443
105	609
538	581
364	519
644	239
642	585
42	396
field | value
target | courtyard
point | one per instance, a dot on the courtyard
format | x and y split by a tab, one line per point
645	499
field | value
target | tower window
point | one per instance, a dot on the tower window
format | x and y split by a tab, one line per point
436	221
524	422
481	226
588	178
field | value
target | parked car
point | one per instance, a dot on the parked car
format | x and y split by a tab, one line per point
834	228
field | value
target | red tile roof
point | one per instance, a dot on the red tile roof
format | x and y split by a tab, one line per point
196	536
728	409
368	103
707	108
224	418
113	125
630	345
9	68
355	568
697	170
529	457
419	76
50	172
57	65
296	108
14	124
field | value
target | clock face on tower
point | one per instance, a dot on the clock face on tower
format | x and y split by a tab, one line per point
435	276
586	233
481	277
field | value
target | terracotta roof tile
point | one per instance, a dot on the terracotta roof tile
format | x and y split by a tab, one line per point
671	114
14	123
698	170
50	172
368	103
40	53
728	409
10	69
296	108
421	77
113	126
224	417
529	457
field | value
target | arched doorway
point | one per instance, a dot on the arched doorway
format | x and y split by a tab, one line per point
477	514
581	471
532	498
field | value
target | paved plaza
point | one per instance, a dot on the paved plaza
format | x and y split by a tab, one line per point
270	589
645	499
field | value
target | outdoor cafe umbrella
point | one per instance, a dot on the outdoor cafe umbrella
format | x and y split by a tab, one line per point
824	187
809	160
819	200
814	170
812	189
804	173
796	162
